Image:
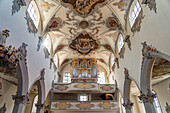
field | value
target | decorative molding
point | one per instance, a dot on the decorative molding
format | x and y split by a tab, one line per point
108	47
82	7
16	6
167	108
40	106
84	86
54	24
147	98
151	4
3	36
122	52
84	44
40	41
128	104
47	54
126	72
42	73
113	23
147	50
117	62
3	108
137	25
31	26
81	106
127	40
21	99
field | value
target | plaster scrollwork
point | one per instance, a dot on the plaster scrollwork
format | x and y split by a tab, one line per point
167	108
128	104
127	40
151	4
3	108
21	98
147	50
147	98
17	5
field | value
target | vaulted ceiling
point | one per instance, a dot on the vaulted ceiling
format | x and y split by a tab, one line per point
82	28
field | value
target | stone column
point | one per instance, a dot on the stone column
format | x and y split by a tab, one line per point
128	106
148	100
40	108
20	102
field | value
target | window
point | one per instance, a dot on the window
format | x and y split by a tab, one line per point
120	42
134	13
34	102
32	13
66	77
158	108
83	98
101	78
123	108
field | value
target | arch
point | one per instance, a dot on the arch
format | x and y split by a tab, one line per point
145	77
40	84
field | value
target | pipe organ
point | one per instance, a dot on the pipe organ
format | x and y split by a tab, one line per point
84	70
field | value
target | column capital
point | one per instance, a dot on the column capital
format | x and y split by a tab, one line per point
128	104
147	98
21	98
40	106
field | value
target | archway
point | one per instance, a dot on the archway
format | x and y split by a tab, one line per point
36	95
14	76
130	95
150	57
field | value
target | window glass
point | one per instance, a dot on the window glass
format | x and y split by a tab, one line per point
35	102
158	108
83	98
32	13
135	13
120	42
66	77
101	78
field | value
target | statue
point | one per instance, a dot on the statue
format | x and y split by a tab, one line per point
3	36
3	108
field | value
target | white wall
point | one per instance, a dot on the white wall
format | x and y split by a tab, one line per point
19	34
8	90
162	92
155	31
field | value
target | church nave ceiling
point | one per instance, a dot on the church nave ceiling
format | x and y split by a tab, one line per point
82	28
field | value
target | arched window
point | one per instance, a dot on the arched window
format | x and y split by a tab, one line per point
134	12
120	42
66	77
33	13
34	108
101	78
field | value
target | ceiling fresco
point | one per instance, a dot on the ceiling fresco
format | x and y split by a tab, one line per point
82	28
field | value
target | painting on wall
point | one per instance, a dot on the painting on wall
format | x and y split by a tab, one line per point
84	44
83	7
